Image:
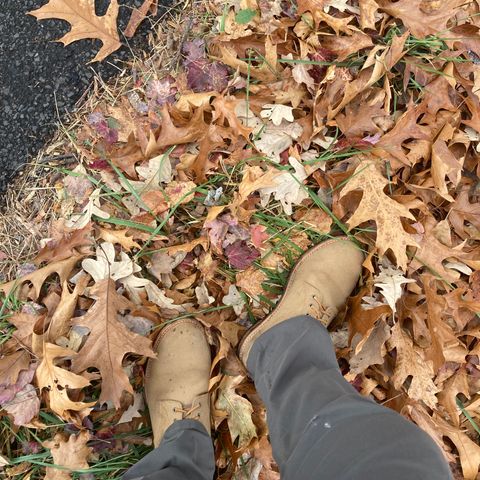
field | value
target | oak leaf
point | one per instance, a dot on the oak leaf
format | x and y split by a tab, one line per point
109	341
376	205
11	366
118	236
423	18
65	247
409	362
85	23
63	268
139	15
71	453
457	383
57	381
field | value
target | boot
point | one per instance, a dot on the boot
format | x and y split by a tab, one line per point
176	382
319	286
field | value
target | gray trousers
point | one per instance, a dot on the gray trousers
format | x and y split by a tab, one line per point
320	427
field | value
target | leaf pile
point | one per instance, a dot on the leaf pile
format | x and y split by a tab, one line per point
197	190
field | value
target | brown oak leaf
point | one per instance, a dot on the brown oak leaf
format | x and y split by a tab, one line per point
37	278
109	341
71	453
376	205
409	362
58	380
423	17
85	23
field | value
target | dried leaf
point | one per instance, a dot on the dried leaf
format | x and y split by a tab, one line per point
24	406
71	453
102	320
238	409
376	205
63	268
84	22
57	381
409	362
390	281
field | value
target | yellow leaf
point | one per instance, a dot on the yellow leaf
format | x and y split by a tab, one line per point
85	23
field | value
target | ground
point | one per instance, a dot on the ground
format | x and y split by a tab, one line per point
40	80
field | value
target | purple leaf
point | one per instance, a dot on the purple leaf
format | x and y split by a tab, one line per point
24	406
100	124
8	392
202	74
240	255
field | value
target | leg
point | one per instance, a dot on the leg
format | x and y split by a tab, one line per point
320	427
185	453
176	389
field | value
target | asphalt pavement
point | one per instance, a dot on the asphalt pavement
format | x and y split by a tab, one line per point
39	77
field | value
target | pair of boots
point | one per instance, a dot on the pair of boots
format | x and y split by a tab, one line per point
176	382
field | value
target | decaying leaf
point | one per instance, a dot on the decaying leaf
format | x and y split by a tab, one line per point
84	22
390	281
238	409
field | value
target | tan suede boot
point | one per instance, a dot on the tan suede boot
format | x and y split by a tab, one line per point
176	382
318	286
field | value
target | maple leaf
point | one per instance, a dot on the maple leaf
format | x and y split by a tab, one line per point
84	22
409	362
238	409
57	381
102	320
71	453
376	205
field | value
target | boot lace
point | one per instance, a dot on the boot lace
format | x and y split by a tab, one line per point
187	412
317	310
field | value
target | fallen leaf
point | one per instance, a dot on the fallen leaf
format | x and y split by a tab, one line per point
11	365
376	205
234	299
238	409
138	16
240	255
250	281
107	357
57	381
422	17
71	453
277	113
457	383
84	23
408	363
288	189
81	219
371	350
390	281
24	406
118	236
63	268
133	411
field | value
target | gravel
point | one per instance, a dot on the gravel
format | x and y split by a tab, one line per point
41	79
